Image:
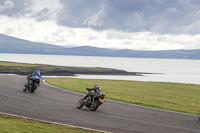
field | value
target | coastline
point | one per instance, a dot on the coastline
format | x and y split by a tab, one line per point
52	70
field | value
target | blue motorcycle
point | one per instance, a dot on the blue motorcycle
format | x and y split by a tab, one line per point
31	84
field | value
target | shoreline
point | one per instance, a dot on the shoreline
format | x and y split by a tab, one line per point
52	70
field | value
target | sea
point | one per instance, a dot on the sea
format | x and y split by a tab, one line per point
165	70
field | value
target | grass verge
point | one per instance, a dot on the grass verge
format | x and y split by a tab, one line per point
162	95
25	69
10	124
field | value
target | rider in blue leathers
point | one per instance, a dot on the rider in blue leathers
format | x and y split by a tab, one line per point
36	73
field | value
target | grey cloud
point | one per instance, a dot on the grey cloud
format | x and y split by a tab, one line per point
97	18
23	8
44	14
75	12
13	7
160	16
7	5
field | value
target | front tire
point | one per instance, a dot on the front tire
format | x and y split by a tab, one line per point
199	116
80	103
24	89
34	87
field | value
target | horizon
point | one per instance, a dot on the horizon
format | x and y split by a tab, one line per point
136	25
73	46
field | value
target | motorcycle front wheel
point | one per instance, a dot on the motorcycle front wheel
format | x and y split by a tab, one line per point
80	103
24	89
33	88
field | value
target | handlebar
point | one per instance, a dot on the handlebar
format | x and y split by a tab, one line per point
89	89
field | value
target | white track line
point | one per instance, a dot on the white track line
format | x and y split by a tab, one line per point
121	102
44	121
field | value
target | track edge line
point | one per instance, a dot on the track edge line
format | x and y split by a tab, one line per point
121	102
56	123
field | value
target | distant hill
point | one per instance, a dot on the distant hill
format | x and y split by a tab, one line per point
14	45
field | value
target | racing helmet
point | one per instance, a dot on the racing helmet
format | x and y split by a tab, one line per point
96	86
37	71
97	89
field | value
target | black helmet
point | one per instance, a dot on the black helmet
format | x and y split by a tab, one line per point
96	86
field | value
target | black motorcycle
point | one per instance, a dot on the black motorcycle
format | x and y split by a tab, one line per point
91	101
31	84
199	116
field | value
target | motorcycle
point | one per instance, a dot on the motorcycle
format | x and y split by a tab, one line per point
32	84
92	101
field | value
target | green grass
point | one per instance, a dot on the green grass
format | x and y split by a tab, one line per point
162	95
10	124
24	65
8	64
24	69
50	67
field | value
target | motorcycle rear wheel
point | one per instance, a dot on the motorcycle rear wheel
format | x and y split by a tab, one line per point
94	105
80	103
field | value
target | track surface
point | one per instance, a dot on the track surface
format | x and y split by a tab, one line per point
51	104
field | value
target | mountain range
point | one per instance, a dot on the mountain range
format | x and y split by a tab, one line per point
10	44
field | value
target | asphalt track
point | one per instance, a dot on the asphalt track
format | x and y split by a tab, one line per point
55	105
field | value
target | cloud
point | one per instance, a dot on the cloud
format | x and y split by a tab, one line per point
13	7
75	12
36	9
7	5
44	10
130	24
96	20
158	16
42	15
26	28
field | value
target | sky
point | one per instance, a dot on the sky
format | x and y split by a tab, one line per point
117	24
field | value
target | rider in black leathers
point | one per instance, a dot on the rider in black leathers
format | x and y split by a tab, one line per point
97	91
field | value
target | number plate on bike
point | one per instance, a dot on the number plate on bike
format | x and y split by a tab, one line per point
101	100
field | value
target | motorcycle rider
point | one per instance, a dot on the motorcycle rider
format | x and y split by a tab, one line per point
97	91
36	73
